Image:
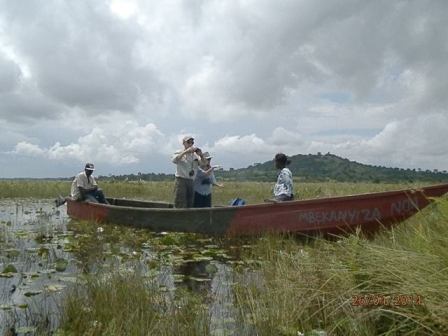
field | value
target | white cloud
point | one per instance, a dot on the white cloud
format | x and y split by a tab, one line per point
409	143
250	77
29	149
126	144
123	9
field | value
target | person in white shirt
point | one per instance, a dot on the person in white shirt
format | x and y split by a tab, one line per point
85	188
187	161
283	188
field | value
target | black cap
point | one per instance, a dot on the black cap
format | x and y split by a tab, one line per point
90	166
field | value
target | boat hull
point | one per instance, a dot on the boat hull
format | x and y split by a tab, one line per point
334	215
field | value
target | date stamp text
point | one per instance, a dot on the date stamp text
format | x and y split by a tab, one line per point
369	300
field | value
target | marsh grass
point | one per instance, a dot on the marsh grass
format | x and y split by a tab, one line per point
130	304
252	192
314	286
298	285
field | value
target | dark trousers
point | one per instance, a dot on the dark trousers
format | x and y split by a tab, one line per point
95	196
183	193
283	197
202	201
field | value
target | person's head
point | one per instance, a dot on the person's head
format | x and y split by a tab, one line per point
281	161
208	157
89	169
188	141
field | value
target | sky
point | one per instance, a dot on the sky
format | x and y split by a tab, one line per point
119	83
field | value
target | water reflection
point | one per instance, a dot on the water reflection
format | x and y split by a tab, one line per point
46	253
30	233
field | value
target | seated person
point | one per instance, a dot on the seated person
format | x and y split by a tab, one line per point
283	189
85	188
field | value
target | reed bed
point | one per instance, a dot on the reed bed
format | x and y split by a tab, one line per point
394	284
126	303
252	192
391	284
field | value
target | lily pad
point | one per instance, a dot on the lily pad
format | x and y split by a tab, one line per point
31	275
10	269
22	233
32	293
202	258
6	275
211	268
5	307
178	278
54	288
68	279
11	253
26	330
61	264
196	279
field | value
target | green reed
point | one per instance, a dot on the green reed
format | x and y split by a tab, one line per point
392	284
252	192
121	303
301	285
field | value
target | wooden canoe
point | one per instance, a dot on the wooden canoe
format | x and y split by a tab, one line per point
333	215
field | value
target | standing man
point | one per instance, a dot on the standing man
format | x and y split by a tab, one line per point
187	161
85	188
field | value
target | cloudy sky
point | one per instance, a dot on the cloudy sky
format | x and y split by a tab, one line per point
119	82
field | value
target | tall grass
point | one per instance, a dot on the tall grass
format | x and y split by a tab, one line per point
299	286
252	192
33	189
130	304
314	286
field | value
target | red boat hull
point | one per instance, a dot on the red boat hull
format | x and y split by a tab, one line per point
334	215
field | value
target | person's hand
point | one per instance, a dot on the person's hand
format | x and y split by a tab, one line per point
191	149
216	167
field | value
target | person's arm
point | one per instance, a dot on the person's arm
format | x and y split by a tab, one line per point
213	179
211	170
202	161
178	156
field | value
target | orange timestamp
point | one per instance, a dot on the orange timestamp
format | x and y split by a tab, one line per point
366	300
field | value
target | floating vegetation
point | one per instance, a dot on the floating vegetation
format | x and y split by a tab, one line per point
61	265
9	269
32	293
54	287
173	283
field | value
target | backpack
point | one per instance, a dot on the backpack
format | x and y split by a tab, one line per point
237	202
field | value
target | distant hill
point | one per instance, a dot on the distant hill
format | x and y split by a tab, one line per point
330	167
312	168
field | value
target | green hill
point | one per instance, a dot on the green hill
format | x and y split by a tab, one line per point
329	167
311	168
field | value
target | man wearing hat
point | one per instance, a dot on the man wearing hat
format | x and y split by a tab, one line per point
187	161
85	188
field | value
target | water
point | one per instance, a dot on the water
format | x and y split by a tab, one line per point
47	253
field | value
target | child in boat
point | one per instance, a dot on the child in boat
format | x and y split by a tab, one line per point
203	182
283	189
